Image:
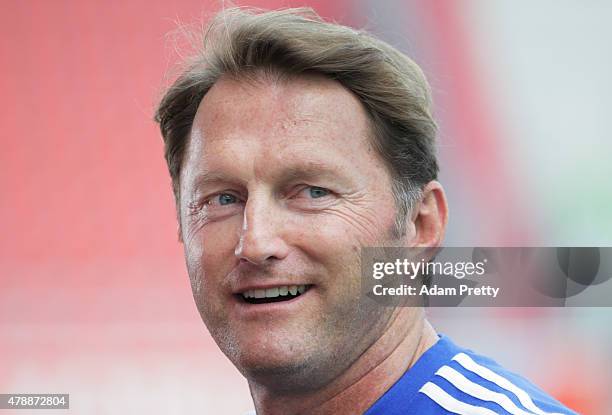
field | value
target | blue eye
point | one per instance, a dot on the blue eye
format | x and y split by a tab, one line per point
316	192
226	199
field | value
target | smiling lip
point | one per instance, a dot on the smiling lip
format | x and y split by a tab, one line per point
243	288
272	298
274	291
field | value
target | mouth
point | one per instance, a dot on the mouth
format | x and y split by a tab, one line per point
273	294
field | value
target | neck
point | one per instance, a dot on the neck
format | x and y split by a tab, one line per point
405	339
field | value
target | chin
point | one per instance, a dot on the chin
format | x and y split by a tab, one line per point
277	367
266	356
274	373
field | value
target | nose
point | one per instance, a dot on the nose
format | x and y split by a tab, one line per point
261	239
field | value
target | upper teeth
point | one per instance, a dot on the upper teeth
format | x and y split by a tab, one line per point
275	292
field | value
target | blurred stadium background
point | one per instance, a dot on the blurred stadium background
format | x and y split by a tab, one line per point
94	298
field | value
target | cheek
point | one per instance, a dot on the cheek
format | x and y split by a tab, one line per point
210	258
331	242
334	241
345	231
219	241
210	255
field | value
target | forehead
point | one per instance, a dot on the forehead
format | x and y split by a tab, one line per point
266	123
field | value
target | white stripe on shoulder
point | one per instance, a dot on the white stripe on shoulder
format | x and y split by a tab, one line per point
478	391
439	396
484	372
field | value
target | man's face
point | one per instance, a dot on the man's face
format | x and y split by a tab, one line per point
280	187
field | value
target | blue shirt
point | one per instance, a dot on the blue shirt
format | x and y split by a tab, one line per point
448	379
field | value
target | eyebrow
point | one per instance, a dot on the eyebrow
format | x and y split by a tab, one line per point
207	178
311	171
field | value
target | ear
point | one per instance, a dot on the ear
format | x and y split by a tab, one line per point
430	217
